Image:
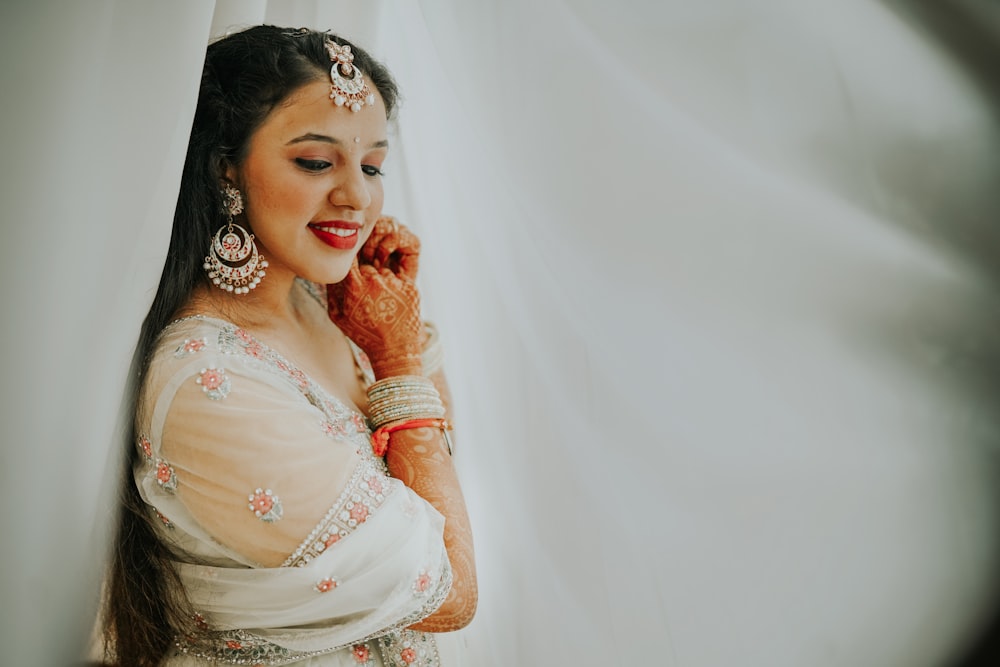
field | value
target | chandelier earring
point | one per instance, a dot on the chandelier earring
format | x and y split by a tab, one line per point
233	263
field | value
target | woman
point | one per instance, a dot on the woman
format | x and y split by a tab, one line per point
264	522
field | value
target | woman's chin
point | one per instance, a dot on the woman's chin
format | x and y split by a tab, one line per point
329	276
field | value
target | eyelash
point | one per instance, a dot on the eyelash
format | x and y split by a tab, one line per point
320	165
312	165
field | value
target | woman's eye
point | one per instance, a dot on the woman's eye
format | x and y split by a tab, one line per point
372	170
312	165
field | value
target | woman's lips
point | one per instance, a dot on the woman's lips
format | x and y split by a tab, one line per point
338	234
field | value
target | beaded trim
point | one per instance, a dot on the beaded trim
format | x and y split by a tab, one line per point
340	419
231	339
360	500
240	647
399	647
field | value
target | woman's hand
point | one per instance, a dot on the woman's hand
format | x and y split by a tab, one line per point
377	304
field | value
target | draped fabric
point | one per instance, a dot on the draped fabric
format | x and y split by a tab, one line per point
97	105
716	284
292	540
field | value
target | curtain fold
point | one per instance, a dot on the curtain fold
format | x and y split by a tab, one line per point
716	283
723	310
98	99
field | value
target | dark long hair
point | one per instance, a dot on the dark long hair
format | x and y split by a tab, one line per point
246	75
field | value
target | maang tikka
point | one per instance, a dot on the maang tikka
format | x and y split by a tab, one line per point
233	262
348	87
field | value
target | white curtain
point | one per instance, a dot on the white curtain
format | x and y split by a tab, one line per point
97	103
717	285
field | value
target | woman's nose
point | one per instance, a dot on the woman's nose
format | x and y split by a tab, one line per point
351	190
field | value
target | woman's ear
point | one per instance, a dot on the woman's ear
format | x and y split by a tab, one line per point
230	173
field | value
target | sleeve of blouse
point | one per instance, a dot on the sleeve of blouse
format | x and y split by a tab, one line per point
259	467
283	519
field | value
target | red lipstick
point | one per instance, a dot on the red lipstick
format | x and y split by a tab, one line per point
339	234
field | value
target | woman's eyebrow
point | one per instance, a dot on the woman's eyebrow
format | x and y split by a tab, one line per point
314	137
311	136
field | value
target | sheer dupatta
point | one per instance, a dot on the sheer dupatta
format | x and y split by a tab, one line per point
294	541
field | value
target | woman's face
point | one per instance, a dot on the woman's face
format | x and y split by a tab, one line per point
312	184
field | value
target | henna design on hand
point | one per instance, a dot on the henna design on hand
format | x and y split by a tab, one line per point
419	458
377	305
392	246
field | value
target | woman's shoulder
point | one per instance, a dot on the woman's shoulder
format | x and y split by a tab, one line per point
210	351
188	339
209	330
188	329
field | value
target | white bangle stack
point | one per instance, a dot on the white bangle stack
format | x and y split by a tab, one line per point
403	397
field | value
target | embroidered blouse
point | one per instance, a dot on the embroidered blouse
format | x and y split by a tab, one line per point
294	544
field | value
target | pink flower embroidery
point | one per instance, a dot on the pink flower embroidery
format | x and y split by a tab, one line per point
334	428
360	653
422	583
145	447
234	645
408	655
211	379
243	335
254	349
265	505
359	422
262	503
375	484
359	512
200	622
165	476
331	539
326	585
189	346
214	383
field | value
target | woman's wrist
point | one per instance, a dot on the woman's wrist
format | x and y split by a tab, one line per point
409	364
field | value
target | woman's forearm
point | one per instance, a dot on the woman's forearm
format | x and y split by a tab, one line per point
420	459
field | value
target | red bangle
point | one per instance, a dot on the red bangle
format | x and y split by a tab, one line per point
380	438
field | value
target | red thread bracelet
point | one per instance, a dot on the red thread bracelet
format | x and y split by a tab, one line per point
380	438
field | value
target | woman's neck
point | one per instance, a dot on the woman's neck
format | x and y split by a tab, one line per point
277	303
